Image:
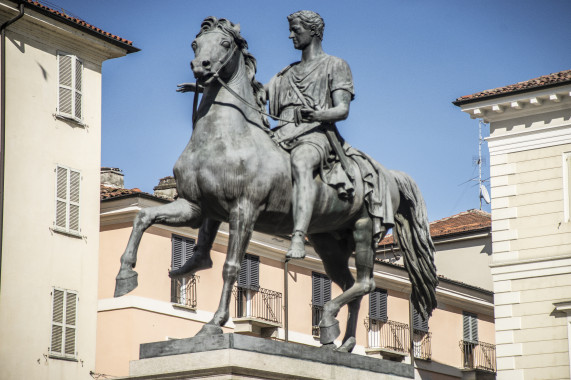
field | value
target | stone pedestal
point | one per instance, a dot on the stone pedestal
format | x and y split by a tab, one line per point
234	356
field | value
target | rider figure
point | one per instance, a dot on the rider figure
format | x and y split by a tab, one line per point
314	92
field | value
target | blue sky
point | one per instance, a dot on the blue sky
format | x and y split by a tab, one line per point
410	60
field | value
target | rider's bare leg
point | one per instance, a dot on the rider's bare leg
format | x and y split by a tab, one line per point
200	258
304	160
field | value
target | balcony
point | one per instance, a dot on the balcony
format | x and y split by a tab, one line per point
257	312
183	291
391	340
478	355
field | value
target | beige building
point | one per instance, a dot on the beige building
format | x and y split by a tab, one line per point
50	163
161	309
530	165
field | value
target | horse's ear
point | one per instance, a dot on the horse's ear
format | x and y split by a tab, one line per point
237	27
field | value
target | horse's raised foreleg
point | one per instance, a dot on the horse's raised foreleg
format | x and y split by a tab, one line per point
364	256
200	258
241	222
177	213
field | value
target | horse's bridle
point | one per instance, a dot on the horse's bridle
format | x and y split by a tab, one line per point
225	85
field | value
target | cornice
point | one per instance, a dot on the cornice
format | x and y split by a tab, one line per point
520	104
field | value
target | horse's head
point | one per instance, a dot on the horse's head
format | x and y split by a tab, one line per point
217	48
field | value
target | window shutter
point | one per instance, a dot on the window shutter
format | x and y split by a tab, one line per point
64	318
70	88
61	197
65	99
470	327
417	322
378	305
78	84
177	253
321	289
249	275
74	181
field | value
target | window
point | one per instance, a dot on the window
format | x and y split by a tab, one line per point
64	323
320	294
248	283
183	290
67	200
378	305
249	276
70	71
418	323
470	327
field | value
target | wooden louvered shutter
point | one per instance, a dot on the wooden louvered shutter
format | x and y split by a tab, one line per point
418	323
249	275
378	305
78	104
61	197
64	323
66	90
321	289
470	327
74	187
177	253
70	89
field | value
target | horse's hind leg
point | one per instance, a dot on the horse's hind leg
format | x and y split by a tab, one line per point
364	257
241	222
177	213
335	255
200	258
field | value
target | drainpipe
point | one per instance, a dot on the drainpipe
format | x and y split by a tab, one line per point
286	309
3	121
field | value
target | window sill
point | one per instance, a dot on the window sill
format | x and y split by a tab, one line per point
71	120
67	233
183	307
61	357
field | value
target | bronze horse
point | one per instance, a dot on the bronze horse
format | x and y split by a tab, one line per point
231	170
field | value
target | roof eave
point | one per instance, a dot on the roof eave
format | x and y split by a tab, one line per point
459	103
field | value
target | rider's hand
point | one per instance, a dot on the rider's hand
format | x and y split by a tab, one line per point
308	114
188	87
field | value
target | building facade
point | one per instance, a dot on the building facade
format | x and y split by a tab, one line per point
51	149
276	303
530	163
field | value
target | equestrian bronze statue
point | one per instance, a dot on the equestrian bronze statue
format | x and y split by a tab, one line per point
300	178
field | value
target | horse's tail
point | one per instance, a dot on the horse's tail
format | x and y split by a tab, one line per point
413	235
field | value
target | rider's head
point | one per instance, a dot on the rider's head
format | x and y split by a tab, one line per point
311	20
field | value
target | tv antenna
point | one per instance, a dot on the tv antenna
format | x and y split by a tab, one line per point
484	195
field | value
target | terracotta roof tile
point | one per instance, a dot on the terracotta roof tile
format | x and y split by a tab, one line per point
114	192
554	79
464	222
79	22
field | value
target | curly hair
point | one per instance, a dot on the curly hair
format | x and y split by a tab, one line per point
311	20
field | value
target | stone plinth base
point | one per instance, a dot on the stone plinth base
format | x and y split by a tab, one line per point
233	356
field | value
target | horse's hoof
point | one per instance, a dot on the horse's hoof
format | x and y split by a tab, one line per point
348	345
209	329
328	334
125	282
329	347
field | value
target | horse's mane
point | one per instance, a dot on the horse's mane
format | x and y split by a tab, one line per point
228	27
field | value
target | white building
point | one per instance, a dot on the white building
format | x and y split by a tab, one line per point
530	167
49	170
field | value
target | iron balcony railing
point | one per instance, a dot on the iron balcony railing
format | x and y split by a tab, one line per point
262	304
478	355
316	315
390	335
394	336
183	291
422	345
